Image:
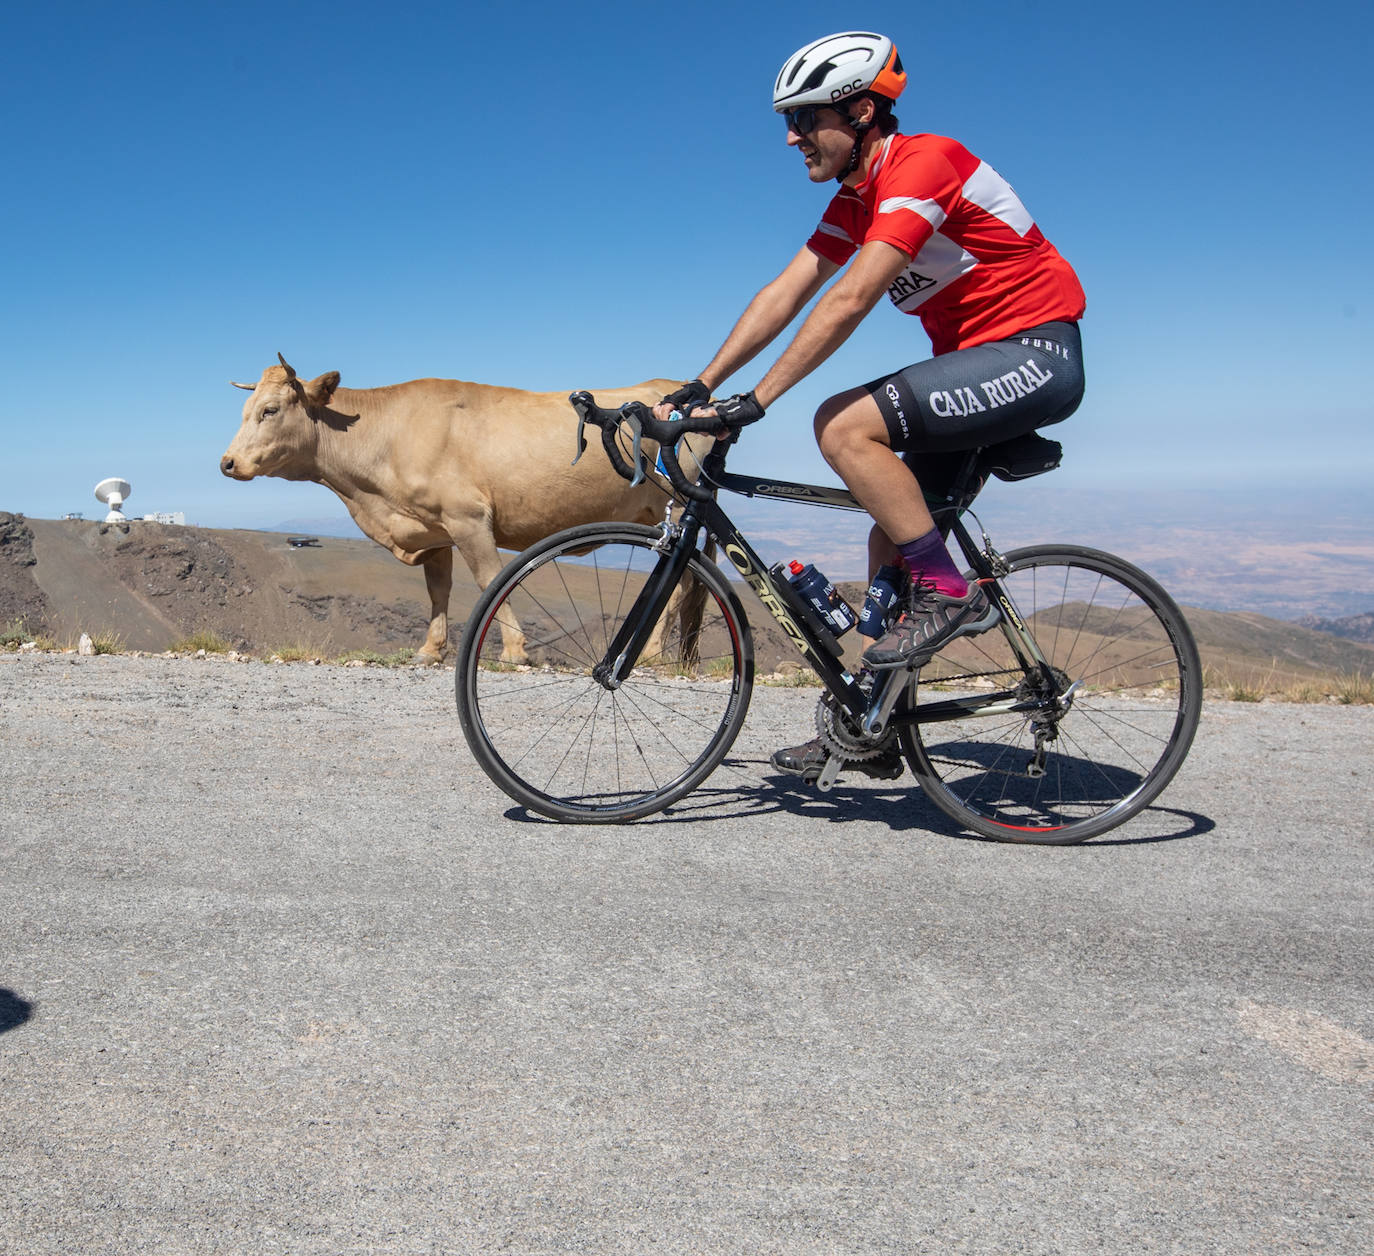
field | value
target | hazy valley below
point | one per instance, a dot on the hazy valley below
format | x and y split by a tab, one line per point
1284	554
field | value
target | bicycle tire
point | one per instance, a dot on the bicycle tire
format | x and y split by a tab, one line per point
554	738
1112	629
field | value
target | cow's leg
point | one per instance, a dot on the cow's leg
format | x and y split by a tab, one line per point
438	565
683	612
484	561
689	607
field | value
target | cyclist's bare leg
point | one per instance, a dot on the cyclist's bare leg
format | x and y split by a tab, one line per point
881	551
853	439
853	435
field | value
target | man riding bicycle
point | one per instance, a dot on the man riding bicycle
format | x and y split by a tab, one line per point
943	234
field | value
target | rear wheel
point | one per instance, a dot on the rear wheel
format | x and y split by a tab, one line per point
552	736
1098	737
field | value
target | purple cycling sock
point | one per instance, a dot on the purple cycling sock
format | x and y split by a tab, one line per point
930	562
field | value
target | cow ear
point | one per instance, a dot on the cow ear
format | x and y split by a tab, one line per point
320	391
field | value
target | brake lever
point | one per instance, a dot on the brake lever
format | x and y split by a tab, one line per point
636	440
579	403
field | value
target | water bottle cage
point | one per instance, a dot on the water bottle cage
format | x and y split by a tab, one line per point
803	610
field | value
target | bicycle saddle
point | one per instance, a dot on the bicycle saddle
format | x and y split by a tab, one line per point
1021	457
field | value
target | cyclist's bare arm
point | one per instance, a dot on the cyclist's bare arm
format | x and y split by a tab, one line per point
828	326
835	317
776	305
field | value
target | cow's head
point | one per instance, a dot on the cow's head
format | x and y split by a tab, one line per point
280	432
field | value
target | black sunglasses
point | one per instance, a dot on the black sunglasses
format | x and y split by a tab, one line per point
802	119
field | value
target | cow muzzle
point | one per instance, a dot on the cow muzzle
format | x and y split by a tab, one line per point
229	467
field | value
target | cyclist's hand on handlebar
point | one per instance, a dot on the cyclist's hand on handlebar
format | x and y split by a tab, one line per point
734	412
682	400
692	393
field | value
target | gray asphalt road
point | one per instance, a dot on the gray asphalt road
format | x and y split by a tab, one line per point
280	972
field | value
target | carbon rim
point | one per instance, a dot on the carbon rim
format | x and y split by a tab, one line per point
1125	673
549	733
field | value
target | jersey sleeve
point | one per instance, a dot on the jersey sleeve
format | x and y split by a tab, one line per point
841	229
917	193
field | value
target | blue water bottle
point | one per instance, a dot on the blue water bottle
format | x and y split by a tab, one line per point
882	597
820	595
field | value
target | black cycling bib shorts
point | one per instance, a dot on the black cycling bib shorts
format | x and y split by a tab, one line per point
986	394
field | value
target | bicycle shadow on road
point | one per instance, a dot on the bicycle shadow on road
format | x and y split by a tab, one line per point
904	807
901	806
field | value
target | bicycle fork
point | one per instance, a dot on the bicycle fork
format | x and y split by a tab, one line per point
676	548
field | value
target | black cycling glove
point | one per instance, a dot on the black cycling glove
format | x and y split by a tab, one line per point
738	410
692	393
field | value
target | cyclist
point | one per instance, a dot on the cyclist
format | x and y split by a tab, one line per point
920	218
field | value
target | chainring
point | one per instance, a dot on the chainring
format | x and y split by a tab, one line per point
839	736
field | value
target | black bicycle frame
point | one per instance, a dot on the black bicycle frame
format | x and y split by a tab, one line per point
795	618
946	509
803	628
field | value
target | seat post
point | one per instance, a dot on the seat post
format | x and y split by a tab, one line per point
962	486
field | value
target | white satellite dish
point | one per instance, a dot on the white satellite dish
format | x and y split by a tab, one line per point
113	492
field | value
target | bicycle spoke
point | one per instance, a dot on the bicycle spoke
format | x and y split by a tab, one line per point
1090	750
557	739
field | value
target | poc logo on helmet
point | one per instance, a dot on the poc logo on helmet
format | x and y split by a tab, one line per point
840	92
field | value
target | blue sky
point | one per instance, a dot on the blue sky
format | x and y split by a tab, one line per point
554	196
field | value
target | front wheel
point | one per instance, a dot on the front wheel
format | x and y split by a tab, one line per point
555	738
1094	739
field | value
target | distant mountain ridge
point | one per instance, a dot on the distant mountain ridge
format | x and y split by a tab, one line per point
1351	627
1282	567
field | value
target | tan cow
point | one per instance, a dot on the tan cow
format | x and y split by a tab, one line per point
433	463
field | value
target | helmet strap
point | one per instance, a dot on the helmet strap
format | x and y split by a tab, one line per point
860	129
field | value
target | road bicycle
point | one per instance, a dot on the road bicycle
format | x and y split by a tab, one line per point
1061	721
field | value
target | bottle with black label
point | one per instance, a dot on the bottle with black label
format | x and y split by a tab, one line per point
881	598
818	593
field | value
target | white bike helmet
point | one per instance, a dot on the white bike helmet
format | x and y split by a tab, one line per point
837	67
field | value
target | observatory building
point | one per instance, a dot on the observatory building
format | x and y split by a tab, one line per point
113	492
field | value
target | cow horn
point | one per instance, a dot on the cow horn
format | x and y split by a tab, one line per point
290	370
245	387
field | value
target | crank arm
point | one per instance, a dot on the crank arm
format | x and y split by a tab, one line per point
892	683
829	773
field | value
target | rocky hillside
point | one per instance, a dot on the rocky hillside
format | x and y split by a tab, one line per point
150	585
21	598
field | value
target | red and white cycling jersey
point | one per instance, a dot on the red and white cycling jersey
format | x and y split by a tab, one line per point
980	269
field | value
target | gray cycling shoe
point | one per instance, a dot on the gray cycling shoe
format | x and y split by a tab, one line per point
929	621
807	761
